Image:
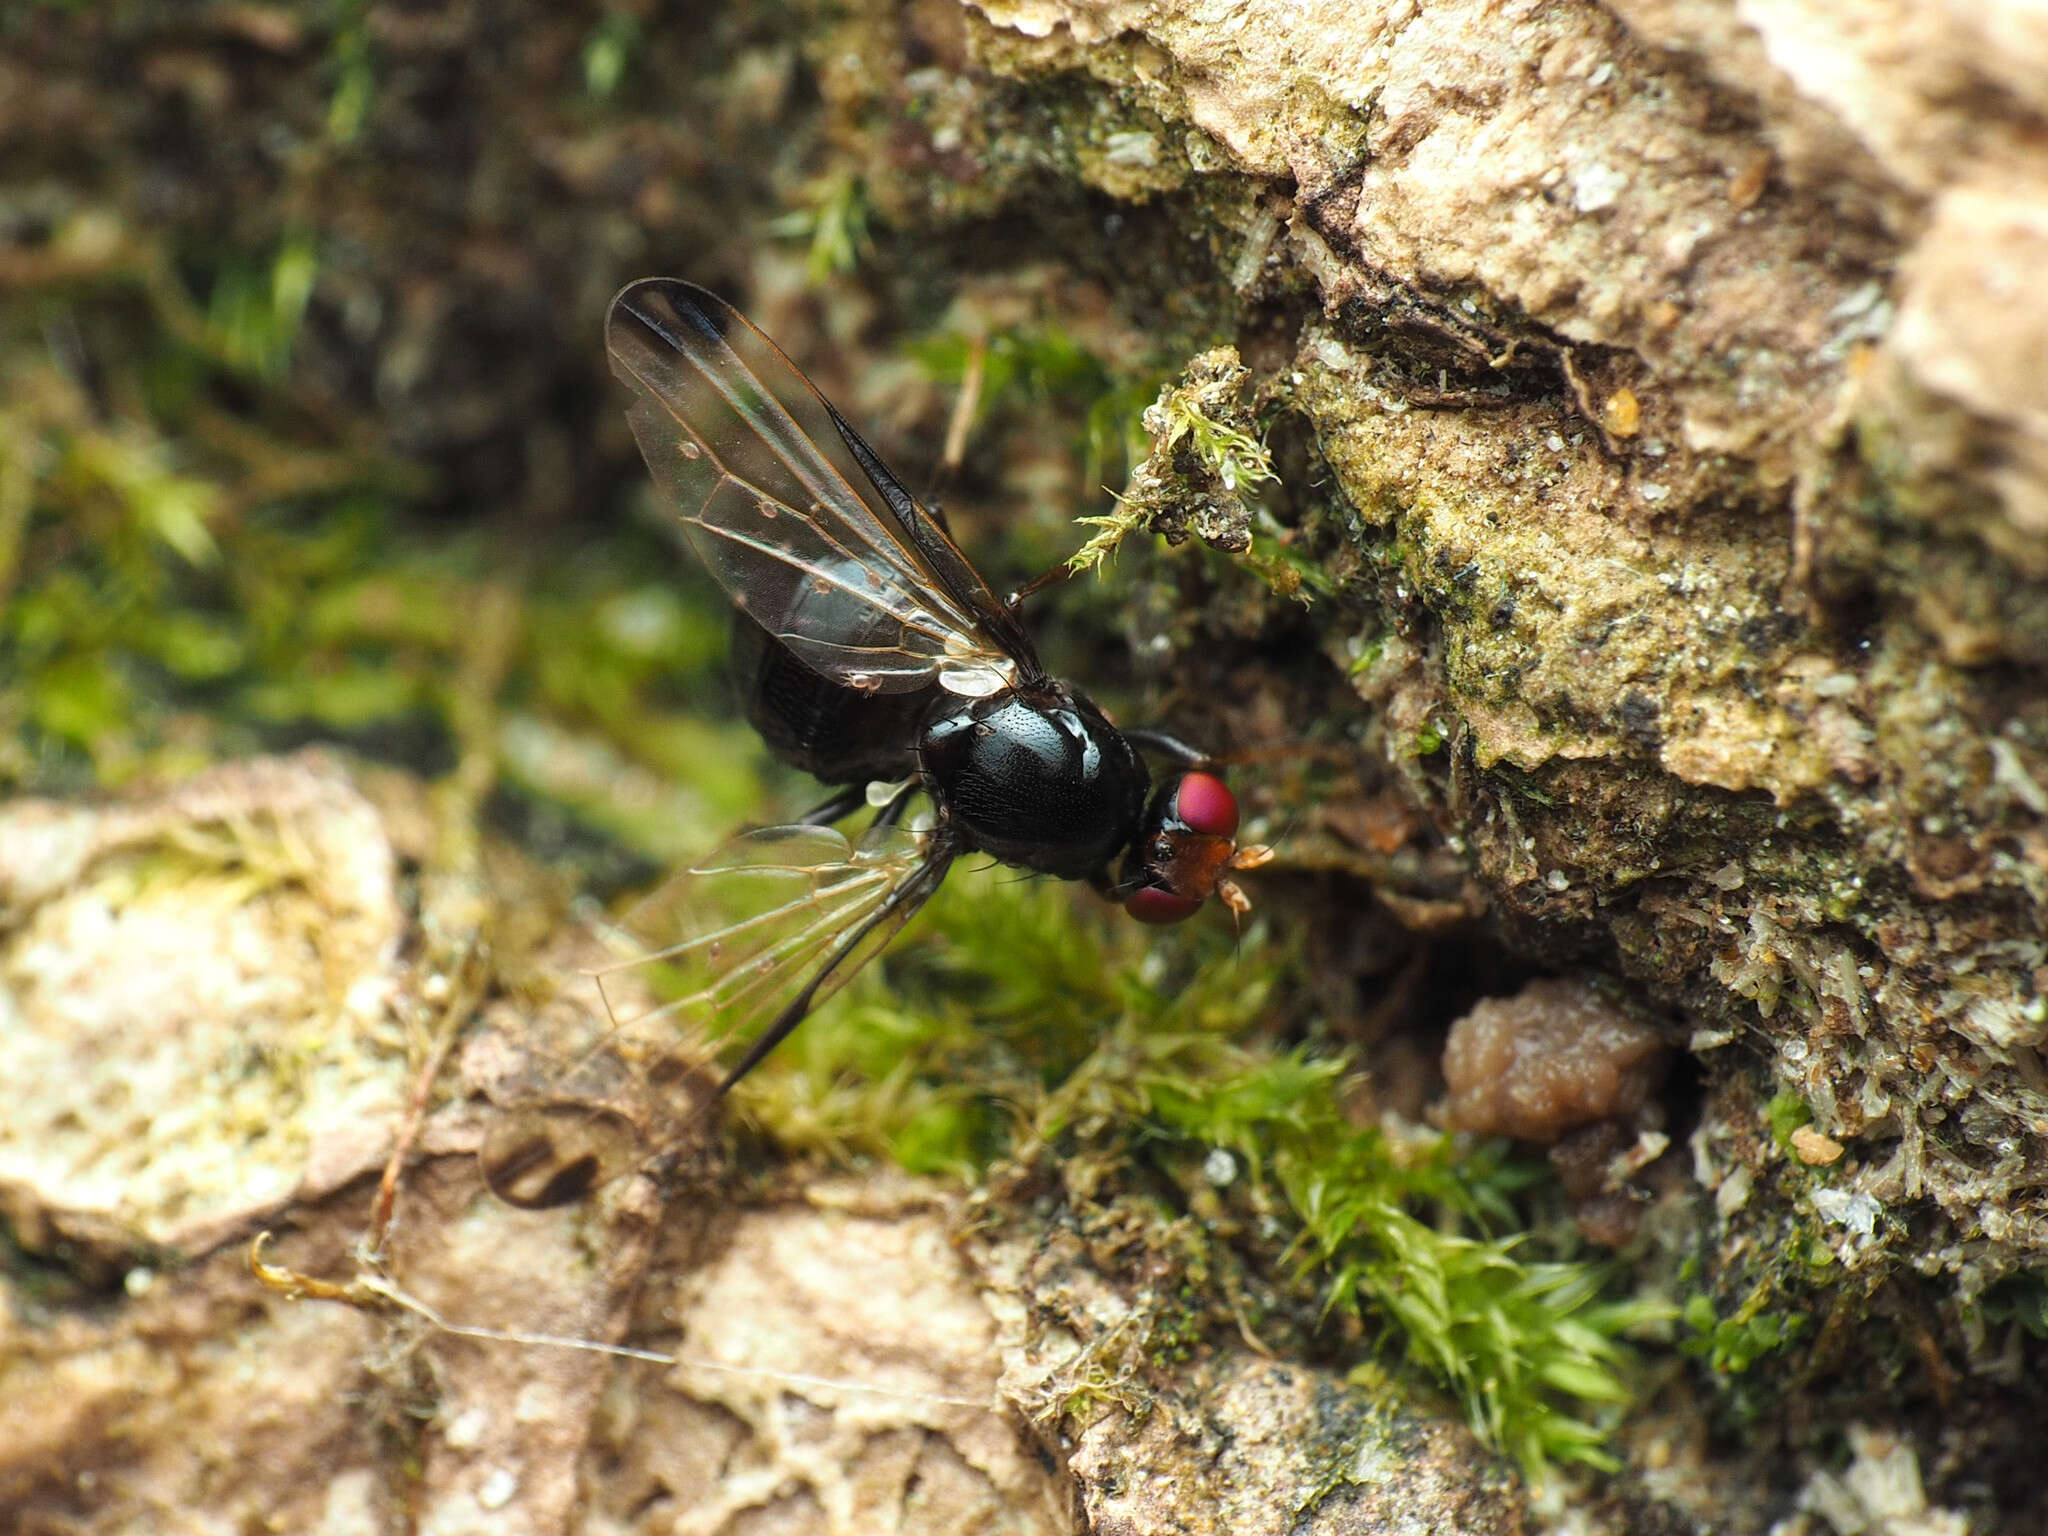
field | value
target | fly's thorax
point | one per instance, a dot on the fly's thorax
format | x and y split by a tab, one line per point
1041	780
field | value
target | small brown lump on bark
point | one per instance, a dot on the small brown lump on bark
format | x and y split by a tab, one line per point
1554	1057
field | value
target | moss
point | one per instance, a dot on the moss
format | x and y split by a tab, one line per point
1023	1037
255	310
1203	462
1786	1113
352	67
1731	1345
1044	364
1427	740
609	51
832	220
2022	1300
172	602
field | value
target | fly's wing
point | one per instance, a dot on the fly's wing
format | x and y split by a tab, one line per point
862	585
752	938
732	940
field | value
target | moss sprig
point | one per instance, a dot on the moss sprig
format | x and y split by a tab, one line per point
1203	461
1111	530
833	218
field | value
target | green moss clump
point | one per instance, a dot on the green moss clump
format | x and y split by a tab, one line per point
2022	1300
1044	364
178	586
1786	1113
833	220
1204	460
1731	1345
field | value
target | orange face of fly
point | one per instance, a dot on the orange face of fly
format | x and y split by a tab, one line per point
1187	850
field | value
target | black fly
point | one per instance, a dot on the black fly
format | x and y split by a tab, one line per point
874	657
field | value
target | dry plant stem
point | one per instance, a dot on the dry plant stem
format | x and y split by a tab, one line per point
468	978
374	1292
965	404
1582	397
457	947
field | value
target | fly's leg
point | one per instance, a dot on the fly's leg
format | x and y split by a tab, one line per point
892	813
1171	747
1037	584
841	804
897	908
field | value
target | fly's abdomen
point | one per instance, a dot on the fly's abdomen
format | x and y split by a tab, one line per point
836	734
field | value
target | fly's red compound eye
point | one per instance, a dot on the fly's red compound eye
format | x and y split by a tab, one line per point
1206	804
1194	826
1153	905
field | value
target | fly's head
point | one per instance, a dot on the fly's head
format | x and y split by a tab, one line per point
1186	850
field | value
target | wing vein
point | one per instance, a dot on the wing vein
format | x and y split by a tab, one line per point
769	485
847	505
